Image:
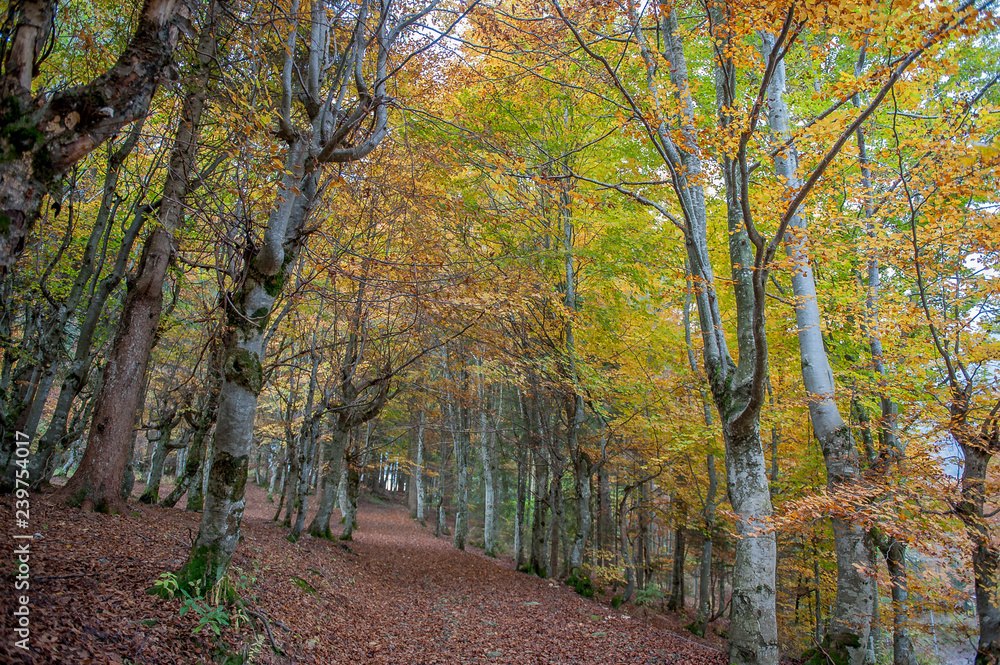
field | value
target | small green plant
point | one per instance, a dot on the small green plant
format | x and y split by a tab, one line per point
648	596
581	583
166	586
617	601
215	610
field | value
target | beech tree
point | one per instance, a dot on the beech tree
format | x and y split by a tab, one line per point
345	50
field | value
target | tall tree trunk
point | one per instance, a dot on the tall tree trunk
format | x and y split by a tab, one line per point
705	579
605	523
418	473
96	485
307	440
250	306
521	498
124	374
462	450
539	525
352	486
152	492
582	467
558	514
488	441
676	601
333	455
194	465
850	626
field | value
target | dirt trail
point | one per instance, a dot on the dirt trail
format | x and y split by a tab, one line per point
401	596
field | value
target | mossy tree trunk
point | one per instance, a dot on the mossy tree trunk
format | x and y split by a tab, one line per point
538	562
676	600
44	135
355	400
164	444
248	311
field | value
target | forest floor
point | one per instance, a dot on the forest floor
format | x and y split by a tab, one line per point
397	595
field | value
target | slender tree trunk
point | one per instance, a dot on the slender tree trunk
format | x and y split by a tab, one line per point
333	455
96	485
676	601
705	581
521	498
163	447
539	526
488	441
462	448
307	440
418	477
558	514
850	626
194	465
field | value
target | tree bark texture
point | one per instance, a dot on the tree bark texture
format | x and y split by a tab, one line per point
46	136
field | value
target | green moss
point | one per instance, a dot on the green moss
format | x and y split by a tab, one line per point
617	601
581	583
231	472
833	650
274	284
305	585
696	628
4	223
243	368
77	499
42	167
196	576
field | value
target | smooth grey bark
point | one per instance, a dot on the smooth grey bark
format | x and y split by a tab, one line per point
488	449
676	600
520	499
700	625
537	563
523	454
558	512
307	439
354	400
418	473
165	444
582	473
463	444
333	456
605	524
201	424
850	624
243	379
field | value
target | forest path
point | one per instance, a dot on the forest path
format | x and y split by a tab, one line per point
401	596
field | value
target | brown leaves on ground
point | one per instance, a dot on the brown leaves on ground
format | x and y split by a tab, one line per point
401	596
